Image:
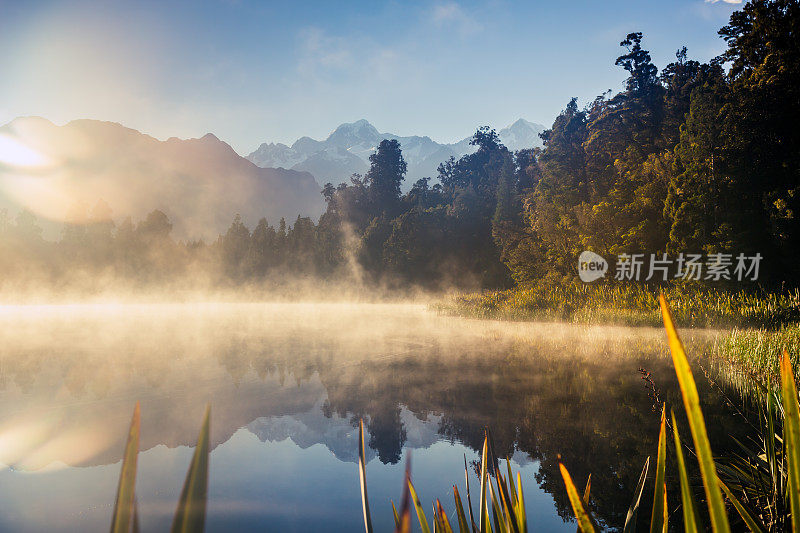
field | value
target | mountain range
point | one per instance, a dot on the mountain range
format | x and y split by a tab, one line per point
347	149
199	183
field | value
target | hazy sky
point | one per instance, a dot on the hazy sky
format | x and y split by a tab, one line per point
273	71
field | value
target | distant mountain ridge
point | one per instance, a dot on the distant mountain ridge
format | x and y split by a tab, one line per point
199	183
347	149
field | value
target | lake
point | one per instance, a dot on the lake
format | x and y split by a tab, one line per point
287	384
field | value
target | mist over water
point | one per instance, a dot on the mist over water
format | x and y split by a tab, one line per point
287	384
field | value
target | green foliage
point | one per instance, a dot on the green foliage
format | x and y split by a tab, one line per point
190	514
634	305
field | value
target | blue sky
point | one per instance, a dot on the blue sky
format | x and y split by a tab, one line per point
273	71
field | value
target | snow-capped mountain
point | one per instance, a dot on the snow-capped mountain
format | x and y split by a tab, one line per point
347	149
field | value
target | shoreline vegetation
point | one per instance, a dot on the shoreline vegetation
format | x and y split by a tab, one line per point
757	326
630	305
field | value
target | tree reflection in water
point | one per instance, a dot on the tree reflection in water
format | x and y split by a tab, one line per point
544	389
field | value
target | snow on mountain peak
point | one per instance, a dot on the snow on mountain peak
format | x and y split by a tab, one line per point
347	149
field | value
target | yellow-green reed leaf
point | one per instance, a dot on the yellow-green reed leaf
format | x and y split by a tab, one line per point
469	498
190	516
586	492
124	507
497	513
507	506
584	523
483	508
690	520
443	520
463	526
633	510
791	437
657	516
665	514
511	483
396	516
362	474
135	526
746	516
522	521
691	402
423	520
405	511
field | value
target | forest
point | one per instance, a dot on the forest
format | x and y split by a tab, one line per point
689	158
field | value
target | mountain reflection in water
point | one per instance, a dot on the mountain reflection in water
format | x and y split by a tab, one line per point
287	384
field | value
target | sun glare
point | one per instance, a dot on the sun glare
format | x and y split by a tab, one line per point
17	154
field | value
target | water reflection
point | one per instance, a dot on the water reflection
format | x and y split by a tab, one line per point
69	377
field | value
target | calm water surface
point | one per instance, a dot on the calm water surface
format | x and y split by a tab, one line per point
287	384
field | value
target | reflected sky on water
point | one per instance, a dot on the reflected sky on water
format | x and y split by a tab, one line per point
287	384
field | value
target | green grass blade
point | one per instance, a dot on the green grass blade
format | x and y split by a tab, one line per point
586	492
584	523
511	483
482	509
497	513
396	516
444	522
463	526
791	436
746	516
125	505
423	520
135	527
690	520
362	474
405	511
522	520
633	510
657	516
469	499
691	402
190	515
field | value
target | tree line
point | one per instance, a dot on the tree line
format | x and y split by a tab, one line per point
694	158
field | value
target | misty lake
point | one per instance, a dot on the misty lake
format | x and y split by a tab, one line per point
287	384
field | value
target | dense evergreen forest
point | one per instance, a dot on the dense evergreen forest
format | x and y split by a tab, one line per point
696	157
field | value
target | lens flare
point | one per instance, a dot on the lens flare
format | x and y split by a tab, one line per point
16	154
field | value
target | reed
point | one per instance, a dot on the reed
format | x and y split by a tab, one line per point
630	304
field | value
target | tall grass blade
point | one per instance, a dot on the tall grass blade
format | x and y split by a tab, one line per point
443	521
362	474
469	499
497	514
691	522
746	516
396	516
405	508
586	492
791	432
657	516
514	498
135	526
423	520
190	516
691	402
125	505
521	518
463	526
633	510
584	523
483	512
